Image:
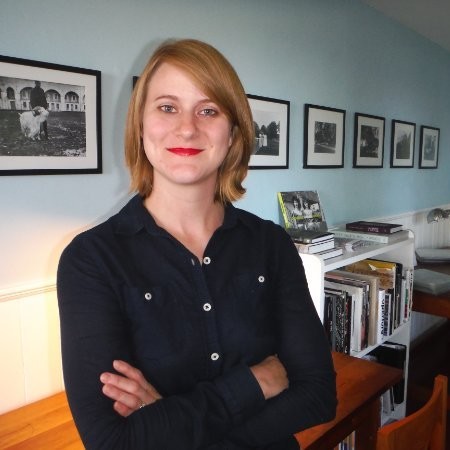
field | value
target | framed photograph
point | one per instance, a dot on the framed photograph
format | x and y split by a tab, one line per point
271	121
324	136
368	144
429	147
402	143
50	118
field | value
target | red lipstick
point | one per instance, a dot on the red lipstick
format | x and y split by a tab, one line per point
184	151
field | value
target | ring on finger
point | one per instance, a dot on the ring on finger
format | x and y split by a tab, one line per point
143	405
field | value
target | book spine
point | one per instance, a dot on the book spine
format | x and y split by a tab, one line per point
314	248
380	325
363	236
369	228
287	222
340	324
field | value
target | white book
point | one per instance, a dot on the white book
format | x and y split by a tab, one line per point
315	248
376	238
381	303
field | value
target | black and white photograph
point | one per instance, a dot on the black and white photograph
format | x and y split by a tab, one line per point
50	118
402	144
429	147
368	150
324	137
271	121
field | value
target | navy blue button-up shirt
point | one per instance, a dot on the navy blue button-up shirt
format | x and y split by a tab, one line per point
128	290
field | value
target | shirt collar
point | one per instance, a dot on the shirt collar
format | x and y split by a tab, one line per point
134	217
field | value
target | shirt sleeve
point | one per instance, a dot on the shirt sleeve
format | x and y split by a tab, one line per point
304	351
94	333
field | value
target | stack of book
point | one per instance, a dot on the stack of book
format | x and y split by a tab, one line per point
319	243
377	232
365	303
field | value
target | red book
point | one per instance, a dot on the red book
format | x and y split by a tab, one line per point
374	227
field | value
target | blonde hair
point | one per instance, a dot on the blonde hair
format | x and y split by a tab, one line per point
216	77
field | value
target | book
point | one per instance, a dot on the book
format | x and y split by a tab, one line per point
302	210
373	282
331	253
376	238
386	314
373	227
310	236
337	319
358	290
390	276
380	324
315	248
394	355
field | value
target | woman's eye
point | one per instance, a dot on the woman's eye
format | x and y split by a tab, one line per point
167	108
208	112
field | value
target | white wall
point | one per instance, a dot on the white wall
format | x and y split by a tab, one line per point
337	53
30	345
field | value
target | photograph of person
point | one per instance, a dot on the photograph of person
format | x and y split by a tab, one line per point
186	323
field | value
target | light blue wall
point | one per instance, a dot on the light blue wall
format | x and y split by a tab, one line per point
337	53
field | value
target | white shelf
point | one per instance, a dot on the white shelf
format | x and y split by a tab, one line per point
399	251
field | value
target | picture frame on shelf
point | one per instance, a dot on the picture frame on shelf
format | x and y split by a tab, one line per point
271	121
429	147
368	145
324	137
50	116
403	137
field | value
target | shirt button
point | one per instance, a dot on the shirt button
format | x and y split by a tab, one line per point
148	296
206	260
207	307
214	356
261	279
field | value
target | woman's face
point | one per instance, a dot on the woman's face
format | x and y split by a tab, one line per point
185	134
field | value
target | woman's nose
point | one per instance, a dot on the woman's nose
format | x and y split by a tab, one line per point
187	126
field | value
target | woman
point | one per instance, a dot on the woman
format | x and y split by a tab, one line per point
296	213
187	323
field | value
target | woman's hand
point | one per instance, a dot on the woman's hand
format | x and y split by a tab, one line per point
271	376
130	390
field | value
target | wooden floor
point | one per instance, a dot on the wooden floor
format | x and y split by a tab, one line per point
429	358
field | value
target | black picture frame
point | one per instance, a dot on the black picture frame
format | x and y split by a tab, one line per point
368	144
403	136
429	147
324	137
271	121
73	97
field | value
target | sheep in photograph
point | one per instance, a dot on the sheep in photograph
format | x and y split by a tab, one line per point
30	122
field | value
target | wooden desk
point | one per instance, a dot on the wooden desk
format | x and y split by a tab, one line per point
44	425
437	305
360	384
48	424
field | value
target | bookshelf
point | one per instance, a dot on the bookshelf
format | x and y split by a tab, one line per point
401	251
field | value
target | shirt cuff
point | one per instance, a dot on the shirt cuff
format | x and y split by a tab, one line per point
241	393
